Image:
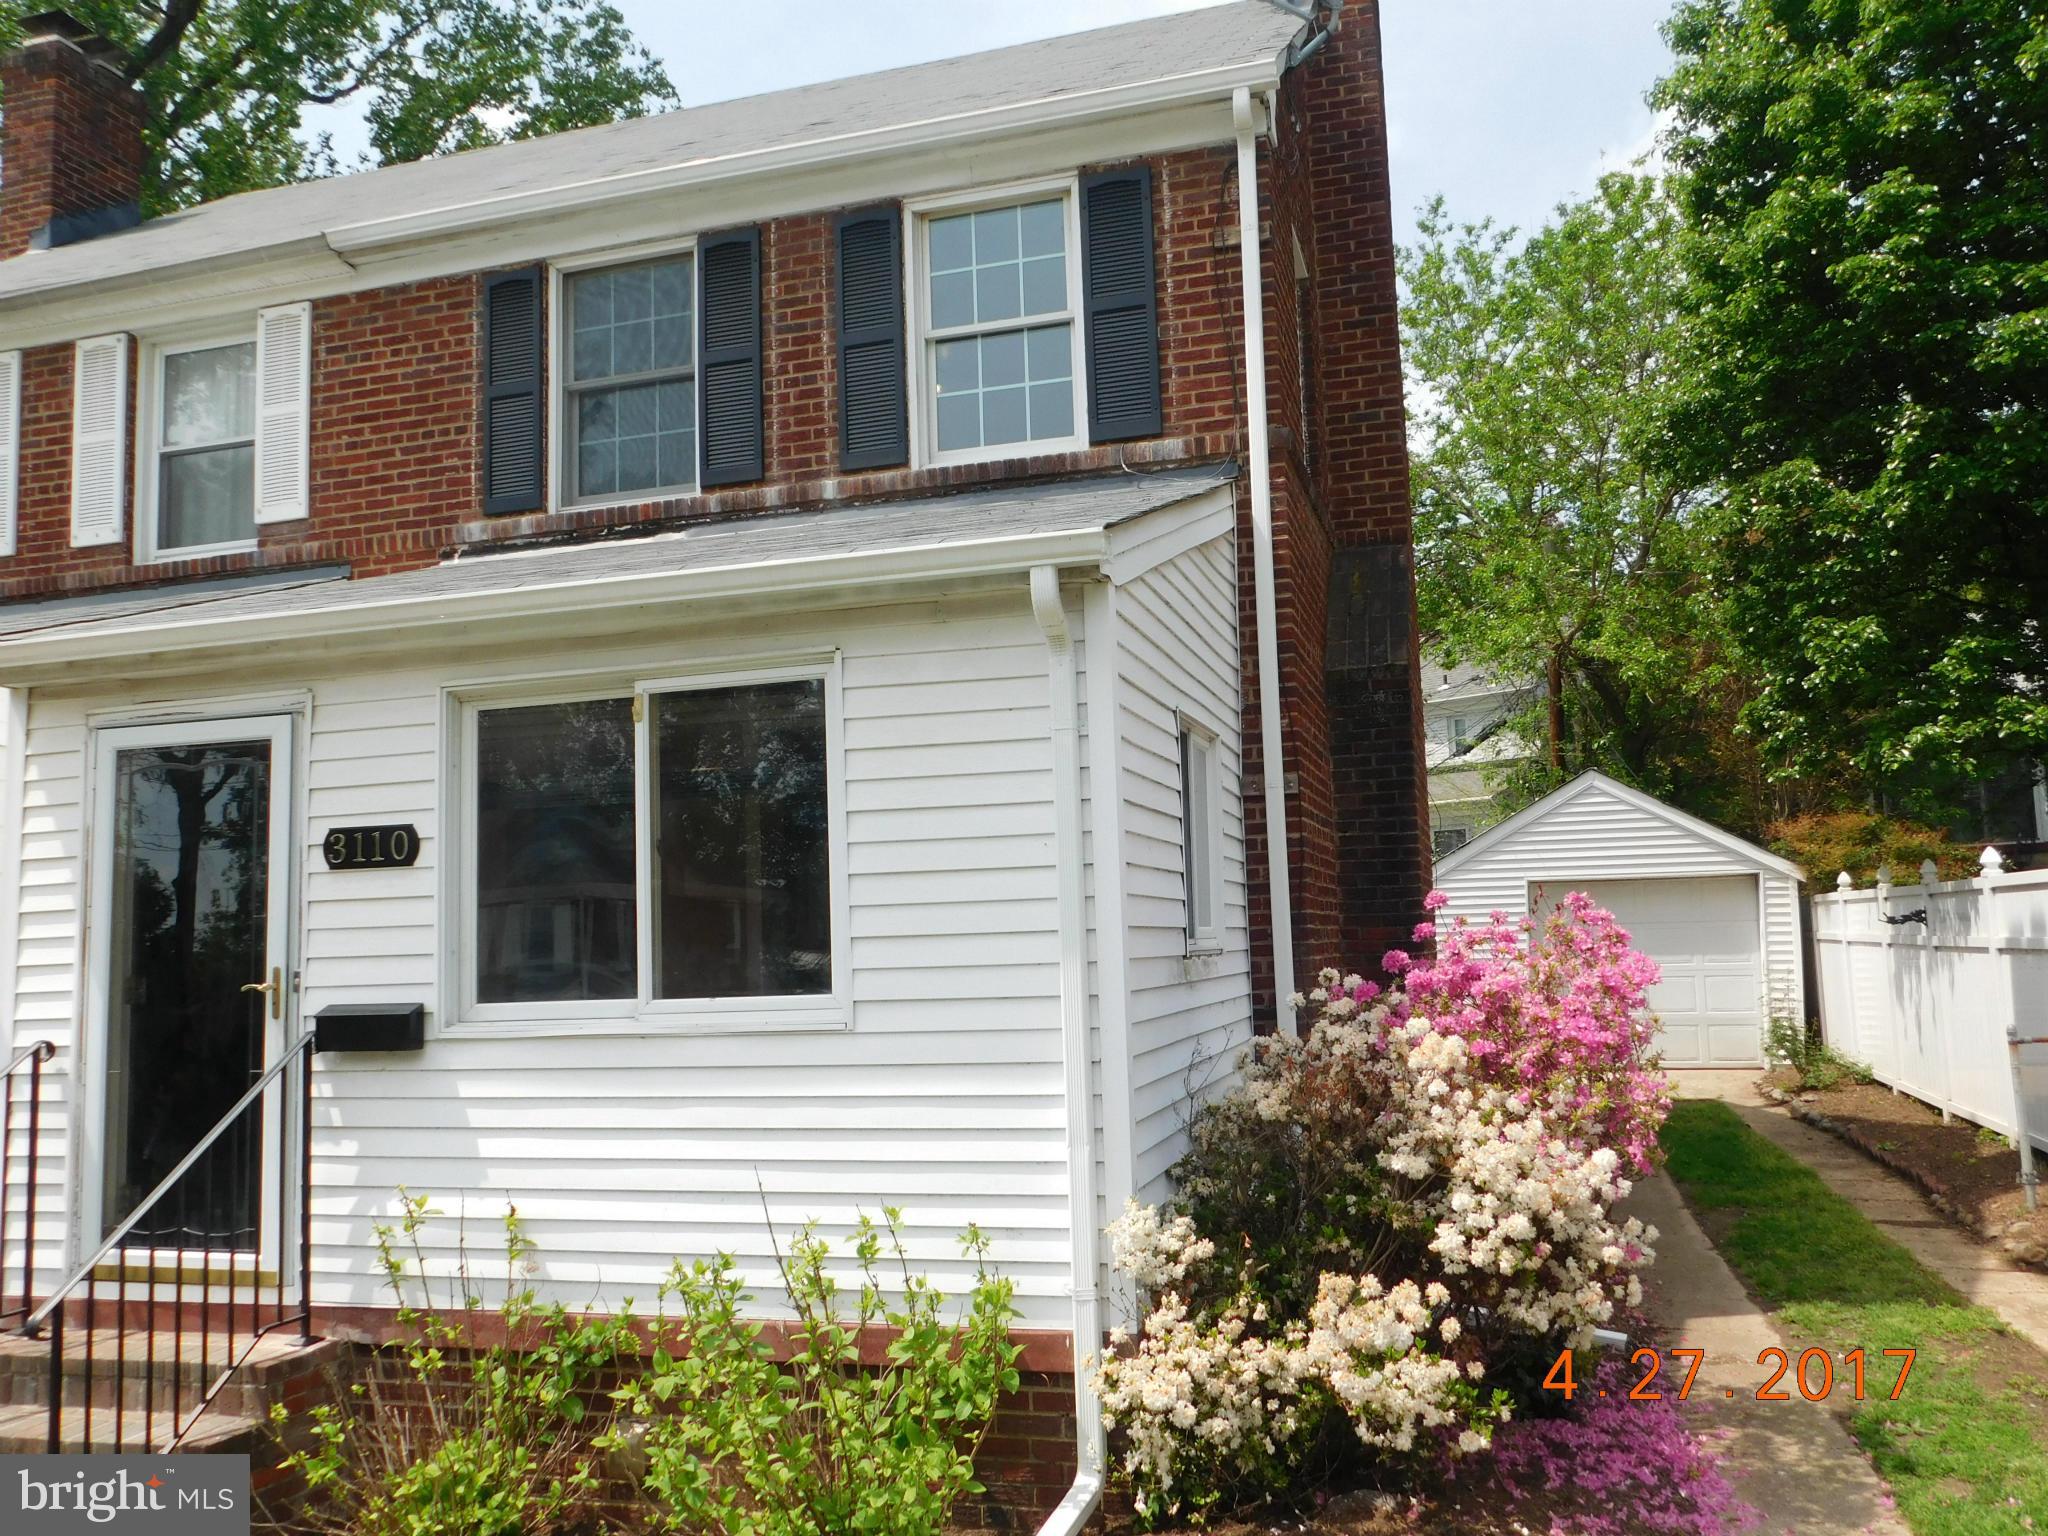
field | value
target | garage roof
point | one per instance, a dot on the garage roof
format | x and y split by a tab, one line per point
1495	836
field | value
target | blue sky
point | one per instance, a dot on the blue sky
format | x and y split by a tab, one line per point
1504	106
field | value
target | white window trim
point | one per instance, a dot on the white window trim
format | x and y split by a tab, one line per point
149	429
644	1014
558	341
924	437
1208	741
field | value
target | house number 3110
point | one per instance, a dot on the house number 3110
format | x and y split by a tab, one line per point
371	847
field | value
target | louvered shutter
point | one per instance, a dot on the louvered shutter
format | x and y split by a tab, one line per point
1120	305
284	377
10	447
874	411
99	431
513	408
729	357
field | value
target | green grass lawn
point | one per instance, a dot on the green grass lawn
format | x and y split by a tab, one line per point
1965	1448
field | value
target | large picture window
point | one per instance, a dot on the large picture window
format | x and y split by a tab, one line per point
666	850
999	293
631	383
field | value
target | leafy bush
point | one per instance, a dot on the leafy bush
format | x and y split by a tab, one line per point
1385	1223
455	1434
1859	841
822	1444
1818	1066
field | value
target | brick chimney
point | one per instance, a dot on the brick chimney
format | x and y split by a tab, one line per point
70	137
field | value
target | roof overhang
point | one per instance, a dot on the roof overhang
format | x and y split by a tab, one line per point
763	557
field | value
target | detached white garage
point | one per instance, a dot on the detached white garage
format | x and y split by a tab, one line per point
1720	916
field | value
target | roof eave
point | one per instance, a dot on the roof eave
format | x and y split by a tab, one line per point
191	631
371	236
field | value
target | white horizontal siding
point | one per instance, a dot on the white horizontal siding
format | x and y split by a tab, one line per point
621	1152
1189	1016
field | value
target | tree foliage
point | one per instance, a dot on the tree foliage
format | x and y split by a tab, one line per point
1863	184
1553	538
229	82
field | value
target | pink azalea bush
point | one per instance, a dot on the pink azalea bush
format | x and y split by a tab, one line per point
1390	1222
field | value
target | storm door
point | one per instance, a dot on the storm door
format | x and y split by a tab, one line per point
192	854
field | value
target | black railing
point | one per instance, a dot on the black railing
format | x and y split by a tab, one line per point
31	1056
215	1299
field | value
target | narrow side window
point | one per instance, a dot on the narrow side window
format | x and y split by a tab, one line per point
1200	836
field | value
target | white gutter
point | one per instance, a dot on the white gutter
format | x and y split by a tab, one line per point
1090	1449
1265	602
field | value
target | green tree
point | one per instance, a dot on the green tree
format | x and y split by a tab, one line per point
1553	542
1865	192
228	82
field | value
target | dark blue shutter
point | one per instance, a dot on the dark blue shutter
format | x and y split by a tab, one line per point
729	357
512	392
1120	305
874	412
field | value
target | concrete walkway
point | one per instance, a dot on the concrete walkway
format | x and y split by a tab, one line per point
1794	1462
1979	1272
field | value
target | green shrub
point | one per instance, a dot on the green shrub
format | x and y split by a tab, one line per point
822	1444
1817	1065
453	1435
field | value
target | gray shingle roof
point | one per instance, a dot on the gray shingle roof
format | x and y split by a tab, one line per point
1242	32
817	537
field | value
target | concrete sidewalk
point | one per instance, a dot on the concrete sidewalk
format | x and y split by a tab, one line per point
1793	1461
1976	1270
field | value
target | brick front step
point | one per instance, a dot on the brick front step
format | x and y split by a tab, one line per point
24	1430
165	1374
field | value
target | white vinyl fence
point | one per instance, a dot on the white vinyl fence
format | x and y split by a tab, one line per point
1934	999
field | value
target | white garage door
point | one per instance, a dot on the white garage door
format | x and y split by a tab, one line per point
1702	932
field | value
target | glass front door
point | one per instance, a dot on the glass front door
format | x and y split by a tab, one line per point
194	974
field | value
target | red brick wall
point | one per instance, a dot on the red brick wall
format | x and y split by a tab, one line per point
71	139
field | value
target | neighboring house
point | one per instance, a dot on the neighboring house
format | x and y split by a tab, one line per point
1467	741
1720	916
729	660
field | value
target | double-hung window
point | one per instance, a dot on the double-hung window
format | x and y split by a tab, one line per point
998	351
631	384
662	851
206	447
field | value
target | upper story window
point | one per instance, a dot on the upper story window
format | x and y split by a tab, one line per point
1461	732
206	447
631	382
998	348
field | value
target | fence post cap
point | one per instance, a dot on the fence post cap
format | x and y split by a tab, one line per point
1991	861
1843	882
1929	871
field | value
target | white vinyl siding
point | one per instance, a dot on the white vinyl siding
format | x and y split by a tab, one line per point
284	351
1189	1015
944	1096
99	440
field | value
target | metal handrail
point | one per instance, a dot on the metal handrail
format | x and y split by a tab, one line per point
36	1052
42	1050
300	1047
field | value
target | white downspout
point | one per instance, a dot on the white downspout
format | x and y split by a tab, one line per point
1265	603
1079	1504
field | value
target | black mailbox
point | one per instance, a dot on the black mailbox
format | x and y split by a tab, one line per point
370	1027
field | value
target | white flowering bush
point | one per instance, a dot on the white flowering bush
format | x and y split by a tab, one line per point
1378	1233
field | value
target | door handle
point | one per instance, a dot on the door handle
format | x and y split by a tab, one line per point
274	986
